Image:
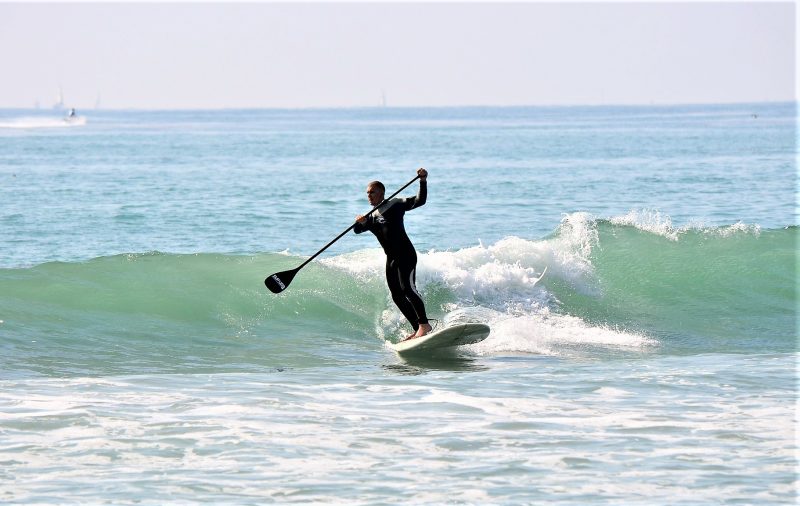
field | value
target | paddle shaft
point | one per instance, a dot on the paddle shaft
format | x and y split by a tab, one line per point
393	195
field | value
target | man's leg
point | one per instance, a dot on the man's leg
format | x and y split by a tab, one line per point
408	285
395	287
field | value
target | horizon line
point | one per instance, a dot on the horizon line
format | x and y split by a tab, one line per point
361	107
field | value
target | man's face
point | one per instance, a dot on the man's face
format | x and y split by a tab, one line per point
374	195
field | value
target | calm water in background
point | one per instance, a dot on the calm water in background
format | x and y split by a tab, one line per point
142	359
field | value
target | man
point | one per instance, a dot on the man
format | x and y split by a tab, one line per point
401	258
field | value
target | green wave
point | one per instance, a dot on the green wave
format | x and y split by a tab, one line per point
696	290
711	289
130	313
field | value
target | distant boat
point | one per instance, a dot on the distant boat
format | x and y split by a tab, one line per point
73	119
59	105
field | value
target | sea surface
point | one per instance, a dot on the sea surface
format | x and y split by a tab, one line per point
143	361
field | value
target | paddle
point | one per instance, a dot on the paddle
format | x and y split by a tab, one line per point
279	281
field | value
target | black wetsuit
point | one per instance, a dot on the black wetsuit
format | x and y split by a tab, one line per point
401	258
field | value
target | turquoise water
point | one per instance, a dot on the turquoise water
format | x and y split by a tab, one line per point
143	360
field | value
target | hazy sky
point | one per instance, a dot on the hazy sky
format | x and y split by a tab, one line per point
154	55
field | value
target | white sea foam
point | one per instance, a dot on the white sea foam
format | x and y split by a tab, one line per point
499	284
655	222
39	122
555	335
517	433
738	228
650	221
500	274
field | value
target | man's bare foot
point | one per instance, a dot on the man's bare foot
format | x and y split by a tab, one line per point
424	328
410	336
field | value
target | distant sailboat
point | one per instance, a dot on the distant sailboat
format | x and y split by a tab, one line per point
383	98
59	105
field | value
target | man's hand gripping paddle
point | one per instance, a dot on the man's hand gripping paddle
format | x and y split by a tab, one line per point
279	281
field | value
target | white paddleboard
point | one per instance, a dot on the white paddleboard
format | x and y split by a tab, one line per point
456	335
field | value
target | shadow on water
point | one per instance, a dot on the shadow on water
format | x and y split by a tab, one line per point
414	365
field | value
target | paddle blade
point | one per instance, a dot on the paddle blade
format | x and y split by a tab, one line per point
279	281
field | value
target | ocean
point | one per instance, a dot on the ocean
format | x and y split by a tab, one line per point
143	361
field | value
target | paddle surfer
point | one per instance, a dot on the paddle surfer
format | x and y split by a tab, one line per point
386	223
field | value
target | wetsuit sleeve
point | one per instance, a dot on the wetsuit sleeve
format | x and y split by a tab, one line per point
359	228
419	200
